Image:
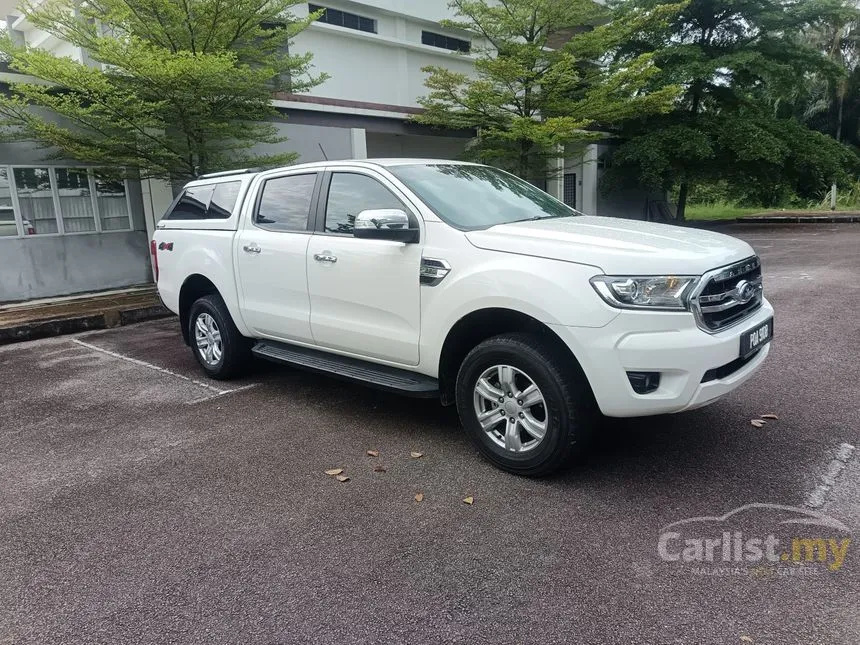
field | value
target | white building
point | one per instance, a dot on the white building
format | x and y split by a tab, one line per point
62	232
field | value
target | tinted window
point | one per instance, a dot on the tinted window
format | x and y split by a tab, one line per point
223	200
286	203
192	204
348	195
474	197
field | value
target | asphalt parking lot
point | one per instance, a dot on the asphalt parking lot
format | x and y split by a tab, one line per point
141	504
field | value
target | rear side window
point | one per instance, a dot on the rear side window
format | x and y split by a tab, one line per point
213	201
286	203
223	200
192	204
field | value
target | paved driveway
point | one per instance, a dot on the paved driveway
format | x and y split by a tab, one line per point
142	505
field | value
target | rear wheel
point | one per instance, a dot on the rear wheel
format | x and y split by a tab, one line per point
217	344
527	411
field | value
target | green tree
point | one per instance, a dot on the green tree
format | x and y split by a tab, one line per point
727	54
540	81
167	88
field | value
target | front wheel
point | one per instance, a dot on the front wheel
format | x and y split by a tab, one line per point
217	344
527	410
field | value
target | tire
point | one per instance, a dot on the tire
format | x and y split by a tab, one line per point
567	409
235	350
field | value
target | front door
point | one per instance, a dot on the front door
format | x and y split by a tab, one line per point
271	258
365	295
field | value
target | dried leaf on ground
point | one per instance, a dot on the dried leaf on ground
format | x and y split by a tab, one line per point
342	478
334	471
419	497
746	639
758	423
469	500
416	455
379	469
372	453
769	416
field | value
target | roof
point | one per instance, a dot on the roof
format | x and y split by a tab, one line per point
384	163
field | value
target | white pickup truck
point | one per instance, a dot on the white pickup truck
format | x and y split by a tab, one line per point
460	281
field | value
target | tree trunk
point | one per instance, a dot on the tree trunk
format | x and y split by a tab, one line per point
841	99
682	201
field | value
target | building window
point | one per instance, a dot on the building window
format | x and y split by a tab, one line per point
570	189
36	200
76	200
112	200
344	19
445	42
8	224
60	201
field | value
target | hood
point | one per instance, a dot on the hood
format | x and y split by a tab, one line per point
617	246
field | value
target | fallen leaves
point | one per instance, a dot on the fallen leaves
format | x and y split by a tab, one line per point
416	455
469	500
758	423
372	453
419	497
342	478
334	471
379	469
746	639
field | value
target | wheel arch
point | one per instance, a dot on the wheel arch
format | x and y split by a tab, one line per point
481	324
195	286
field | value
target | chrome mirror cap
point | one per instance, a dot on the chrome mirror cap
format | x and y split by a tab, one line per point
385	224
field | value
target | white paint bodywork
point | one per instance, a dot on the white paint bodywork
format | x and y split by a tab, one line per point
369	304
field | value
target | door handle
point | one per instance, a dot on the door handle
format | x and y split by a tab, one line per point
325	256
251	248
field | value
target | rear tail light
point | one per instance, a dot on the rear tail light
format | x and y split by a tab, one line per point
153	250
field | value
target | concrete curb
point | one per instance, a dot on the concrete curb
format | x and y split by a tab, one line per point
798	219
73	324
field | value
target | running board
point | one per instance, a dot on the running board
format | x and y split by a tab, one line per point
380	377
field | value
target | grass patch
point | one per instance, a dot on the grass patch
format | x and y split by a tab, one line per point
719	211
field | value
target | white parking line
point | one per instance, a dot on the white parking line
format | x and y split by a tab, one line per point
141	363
818	497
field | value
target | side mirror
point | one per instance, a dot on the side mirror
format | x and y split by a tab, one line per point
384	224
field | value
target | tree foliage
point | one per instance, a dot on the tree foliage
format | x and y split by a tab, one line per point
167	88
728	55
540	81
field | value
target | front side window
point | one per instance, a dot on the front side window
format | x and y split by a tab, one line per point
348	195
36	200
286	203
472	197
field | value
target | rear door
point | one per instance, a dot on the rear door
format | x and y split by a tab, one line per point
271	251
365	294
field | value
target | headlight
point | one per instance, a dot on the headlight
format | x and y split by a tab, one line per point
645	292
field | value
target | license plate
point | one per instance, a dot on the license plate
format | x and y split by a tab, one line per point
756	338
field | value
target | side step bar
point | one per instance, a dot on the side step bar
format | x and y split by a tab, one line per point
380	377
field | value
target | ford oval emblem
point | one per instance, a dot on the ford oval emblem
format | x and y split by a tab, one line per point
744	292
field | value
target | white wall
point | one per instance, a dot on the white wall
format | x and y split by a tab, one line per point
384	67
381	145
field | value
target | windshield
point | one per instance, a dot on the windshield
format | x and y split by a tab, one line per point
475	197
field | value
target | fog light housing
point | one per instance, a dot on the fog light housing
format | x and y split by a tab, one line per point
644	382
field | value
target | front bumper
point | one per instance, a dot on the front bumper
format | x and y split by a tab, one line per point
666	342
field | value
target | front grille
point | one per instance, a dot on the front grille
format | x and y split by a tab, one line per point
728	295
